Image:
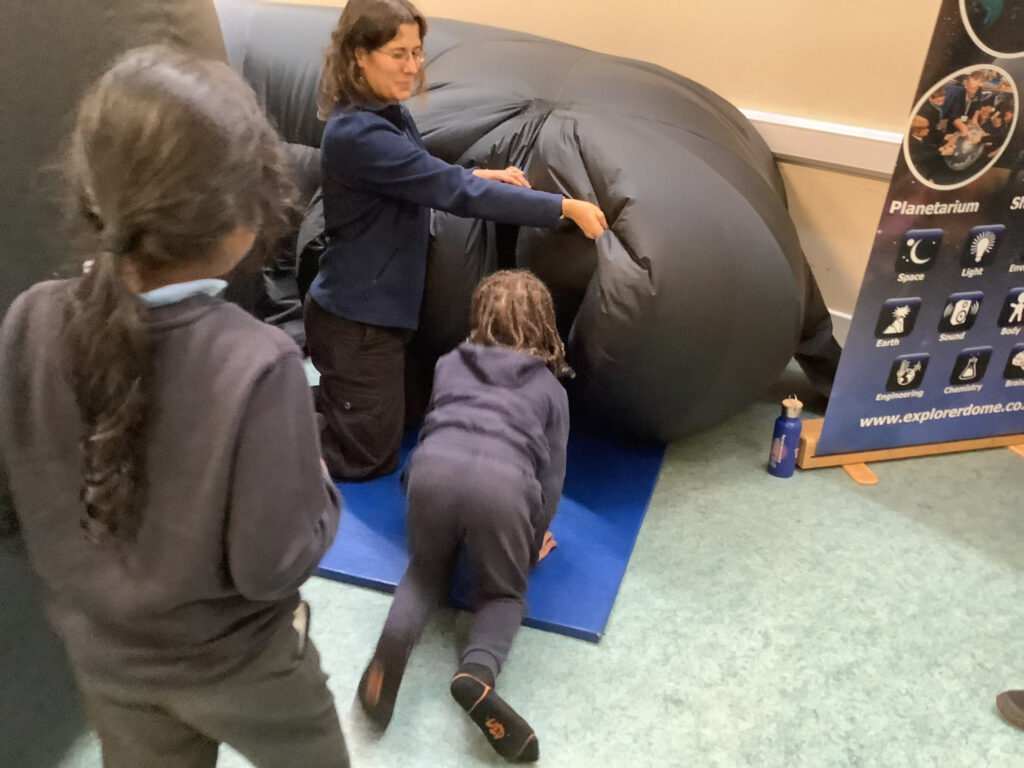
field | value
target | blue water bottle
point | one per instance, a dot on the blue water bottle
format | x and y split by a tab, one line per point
785	439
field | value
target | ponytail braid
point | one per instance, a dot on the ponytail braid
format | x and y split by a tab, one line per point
108	357
169	156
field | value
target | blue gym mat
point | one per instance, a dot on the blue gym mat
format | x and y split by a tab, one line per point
608	486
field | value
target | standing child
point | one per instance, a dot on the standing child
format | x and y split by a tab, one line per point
161	444
487	474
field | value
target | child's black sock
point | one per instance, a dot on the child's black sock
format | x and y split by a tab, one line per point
508	733
378	690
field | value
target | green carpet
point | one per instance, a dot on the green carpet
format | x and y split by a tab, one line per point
762	622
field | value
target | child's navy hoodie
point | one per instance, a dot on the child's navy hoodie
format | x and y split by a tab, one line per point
504	404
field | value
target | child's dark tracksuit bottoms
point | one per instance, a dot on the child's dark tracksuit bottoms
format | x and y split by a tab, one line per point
458	498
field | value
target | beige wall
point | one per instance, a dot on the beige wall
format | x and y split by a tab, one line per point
845	61
855	62
836	215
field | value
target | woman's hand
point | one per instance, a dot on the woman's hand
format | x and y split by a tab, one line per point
587	217
510	175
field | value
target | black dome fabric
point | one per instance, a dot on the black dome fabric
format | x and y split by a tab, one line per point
698	296
52	50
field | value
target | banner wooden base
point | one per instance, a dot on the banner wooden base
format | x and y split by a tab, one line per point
855	464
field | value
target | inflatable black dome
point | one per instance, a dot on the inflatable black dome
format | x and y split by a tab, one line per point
699	295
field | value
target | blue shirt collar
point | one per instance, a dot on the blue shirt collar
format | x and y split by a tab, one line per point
175	292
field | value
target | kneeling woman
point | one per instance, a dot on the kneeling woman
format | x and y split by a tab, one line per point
379	184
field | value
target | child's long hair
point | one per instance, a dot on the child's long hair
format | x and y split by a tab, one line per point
513	308
169	155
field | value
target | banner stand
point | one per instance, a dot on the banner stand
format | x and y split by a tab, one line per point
934	358
855	464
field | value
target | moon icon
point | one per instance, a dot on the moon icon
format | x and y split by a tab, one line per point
913	252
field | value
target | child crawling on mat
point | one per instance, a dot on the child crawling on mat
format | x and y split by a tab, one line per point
487	475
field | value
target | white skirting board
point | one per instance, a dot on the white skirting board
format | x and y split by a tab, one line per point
819	144
831	146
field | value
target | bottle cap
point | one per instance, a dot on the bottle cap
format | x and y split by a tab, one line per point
792	406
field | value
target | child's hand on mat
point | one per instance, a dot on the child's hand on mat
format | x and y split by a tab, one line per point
546	545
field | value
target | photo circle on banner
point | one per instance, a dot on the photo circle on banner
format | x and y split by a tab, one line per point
960	126
995	26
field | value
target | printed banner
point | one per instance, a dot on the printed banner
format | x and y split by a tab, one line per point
936	348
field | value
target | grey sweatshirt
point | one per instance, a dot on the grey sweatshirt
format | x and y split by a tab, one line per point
238	512
506	404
